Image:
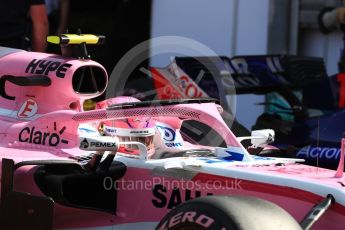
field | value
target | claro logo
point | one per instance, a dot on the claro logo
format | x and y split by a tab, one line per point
32	136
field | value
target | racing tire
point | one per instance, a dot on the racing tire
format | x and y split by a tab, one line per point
228	212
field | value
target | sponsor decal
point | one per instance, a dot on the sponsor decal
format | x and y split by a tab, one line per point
319	152
143	132
174	83
103	144
28	109
110	131
162	199
185	84
84	144
146	132
44	67
189	88
98	143
172	145
33	136
190	217
169	136
163	82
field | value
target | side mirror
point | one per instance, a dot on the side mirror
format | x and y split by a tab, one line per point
262	137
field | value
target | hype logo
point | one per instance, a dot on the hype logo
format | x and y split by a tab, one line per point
168	134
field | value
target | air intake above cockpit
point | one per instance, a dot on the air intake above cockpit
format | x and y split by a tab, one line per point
89	79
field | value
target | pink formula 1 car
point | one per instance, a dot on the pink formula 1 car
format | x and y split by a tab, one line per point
59	172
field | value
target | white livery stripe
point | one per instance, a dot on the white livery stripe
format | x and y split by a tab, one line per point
271	65
277	64
130	132
13	114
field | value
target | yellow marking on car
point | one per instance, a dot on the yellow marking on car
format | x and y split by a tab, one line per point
72	39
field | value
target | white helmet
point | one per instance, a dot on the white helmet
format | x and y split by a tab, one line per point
138	129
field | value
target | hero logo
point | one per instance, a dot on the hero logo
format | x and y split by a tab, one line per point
169	136
28	109
188	217
314	152
45	66
32	136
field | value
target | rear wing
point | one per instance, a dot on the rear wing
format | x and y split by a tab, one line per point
263	73
256	73
284	74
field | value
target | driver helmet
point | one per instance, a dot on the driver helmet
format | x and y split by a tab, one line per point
138	129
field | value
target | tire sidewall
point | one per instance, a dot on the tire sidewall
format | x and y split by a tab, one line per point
196	216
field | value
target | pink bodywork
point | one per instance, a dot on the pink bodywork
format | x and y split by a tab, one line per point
52	133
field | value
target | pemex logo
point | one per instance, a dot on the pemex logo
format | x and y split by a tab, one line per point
84	144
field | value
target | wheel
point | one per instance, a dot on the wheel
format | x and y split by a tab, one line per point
228	212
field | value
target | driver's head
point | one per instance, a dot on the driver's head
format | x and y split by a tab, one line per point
138	129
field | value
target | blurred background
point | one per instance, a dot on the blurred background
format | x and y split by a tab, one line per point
228	27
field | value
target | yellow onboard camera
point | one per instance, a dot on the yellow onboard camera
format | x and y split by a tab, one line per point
74	45
75	39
